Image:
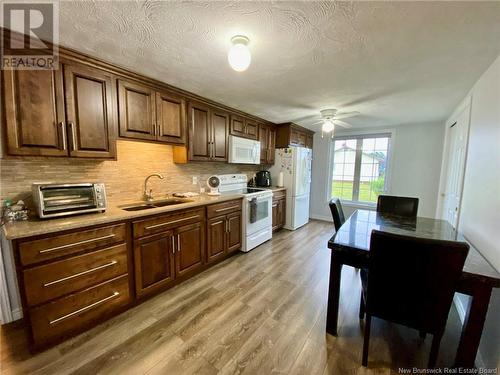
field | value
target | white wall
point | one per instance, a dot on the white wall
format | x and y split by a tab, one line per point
414	167
480	208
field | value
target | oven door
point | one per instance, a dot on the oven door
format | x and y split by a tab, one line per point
259	213
58	200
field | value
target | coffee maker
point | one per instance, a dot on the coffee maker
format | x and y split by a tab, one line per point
263	179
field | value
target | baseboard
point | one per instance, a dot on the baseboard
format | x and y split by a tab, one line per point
321	217
461	314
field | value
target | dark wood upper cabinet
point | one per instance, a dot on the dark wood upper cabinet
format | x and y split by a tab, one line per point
220	132
136	106
190	248
170	118
154	263
34	112
271	144
251	129
244	127
290	134
90	112
199	131
208	135
267	138
237	126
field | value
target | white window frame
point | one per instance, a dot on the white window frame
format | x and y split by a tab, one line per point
358	135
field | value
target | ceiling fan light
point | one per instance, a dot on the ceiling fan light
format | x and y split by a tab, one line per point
328	126
239	56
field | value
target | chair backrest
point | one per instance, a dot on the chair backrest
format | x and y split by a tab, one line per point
411	281
337	213
401	206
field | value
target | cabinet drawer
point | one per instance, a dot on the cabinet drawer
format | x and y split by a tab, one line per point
56	279
57	246
72	314
223	208
280	194
164	222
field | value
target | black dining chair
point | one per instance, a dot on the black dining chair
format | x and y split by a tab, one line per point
405	284
401	206
337	213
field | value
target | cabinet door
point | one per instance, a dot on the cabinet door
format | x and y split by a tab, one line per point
90	110
199	131
154	263
216	238
189	248
276	216
264	140
170	118
233	231
237	126
282	212
271	144
136	107
309	141
34	112
251	129
220	129
294	137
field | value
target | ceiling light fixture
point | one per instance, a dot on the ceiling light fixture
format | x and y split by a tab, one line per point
239	56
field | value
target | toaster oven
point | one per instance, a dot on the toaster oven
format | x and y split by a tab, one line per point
54	200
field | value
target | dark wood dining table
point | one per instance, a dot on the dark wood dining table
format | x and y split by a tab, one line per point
351	246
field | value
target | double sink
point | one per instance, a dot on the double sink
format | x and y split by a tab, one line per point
155	204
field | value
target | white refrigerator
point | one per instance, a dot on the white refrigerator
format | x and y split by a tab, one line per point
295	163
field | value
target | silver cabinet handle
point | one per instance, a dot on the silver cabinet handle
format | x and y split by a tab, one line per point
112	263
179	243
63	132
171	222
173	245
88	307
73	134
62	247
227	208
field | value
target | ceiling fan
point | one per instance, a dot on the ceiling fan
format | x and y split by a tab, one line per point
331	118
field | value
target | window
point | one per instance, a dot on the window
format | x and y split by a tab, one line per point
360	167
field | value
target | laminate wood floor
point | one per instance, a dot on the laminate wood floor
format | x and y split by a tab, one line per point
257	313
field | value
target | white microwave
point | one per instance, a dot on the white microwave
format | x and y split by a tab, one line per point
243	150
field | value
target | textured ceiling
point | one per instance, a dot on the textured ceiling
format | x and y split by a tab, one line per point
395	62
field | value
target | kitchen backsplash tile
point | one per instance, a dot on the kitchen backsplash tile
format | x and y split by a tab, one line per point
124	178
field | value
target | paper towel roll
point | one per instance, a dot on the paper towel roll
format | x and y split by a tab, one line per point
280	180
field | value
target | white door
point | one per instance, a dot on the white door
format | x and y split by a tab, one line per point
457	135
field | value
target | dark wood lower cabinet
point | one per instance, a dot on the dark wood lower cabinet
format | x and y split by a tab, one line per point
216	238
73	280
279	210
189	248
233	231
154	263
224	235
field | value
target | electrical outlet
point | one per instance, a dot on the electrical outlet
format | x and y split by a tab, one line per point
195	180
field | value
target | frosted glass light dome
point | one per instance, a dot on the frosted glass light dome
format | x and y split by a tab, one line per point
239	56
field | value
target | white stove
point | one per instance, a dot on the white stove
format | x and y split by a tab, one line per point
257	209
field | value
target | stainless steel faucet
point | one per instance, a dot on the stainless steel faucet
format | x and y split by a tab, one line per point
148	194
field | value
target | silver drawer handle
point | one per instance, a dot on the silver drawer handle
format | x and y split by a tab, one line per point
88	307
76	243
81	273
227	208
171	222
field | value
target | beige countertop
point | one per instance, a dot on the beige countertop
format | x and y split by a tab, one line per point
277	188
35	226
